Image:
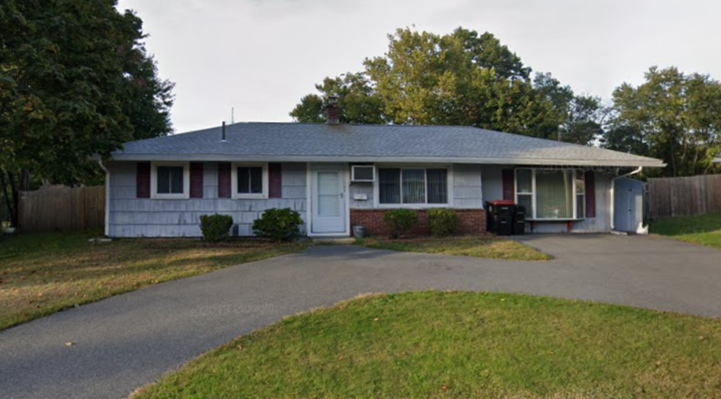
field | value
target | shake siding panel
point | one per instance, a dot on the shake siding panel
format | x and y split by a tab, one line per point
132	217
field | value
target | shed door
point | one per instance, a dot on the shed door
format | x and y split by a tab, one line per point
628	205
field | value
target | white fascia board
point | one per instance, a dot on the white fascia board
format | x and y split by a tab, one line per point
645	162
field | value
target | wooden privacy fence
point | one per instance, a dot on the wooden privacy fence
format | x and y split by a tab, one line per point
62	209
684	196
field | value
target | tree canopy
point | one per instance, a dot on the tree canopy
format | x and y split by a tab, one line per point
461	78
672	116
75	81
464	78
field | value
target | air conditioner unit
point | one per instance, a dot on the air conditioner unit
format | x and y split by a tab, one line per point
363	173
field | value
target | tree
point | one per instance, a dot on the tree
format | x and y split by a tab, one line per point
462	78
358	101
578	117
75	81
148	98
671	116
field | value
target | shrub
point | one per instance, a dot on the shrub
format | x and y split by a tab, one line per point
442	222
400	221
216	228
278	224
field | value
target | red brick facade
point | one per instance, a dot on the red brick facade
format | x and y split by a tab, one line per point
470	221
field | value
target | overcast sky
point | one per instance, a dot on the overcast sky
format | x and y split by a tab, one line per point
262	56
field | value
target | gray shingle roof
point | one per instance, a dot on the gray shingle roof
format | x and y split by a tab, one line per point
371	143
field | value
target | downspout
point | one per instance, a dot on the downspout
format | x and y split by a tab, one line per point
107	196
613	193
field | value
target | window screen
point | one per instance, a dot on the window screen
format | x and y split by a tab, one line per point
170	179
437	186
389	186
412	186
555	194
250	180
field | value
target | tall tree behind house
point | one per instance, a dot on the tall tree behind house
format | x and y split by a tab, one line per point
461	78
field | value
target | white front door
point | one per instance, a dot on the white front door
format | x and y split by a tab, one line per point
328	207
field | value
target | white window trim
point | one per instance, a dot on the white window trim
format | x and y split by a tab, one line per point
234	181
449	188
154	181
575	190
534	217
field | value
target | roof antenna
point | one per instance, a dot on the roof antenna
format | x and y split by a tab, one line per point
223	140
232	115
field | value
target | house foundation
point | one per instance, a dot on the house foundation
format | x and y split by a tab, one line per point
470	221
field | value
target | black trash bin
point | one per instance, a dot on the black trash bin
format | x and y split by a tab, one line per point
500	217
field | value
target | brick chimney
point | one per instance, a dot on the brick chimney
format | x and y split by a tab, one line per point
332	112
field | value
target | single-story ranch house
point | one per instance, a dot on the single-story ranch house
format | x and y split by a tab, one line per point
340	175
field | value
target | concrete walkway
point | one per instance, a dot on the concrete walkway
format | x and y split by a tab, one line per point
129	340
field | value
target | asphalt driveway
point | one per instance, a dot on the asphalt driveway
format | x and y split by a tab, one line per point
129	340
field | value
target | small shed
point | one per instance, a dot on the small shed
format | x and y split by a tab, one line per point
628	206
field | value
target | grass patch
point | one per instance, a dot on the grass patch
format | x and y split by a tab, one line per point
461	345
43	273
702	229
483	246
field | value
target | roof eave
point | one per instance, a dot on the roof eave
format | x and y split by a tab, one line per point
645	162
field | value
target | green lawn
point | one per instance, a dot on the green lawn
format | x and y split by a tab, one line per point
703	230
483	246
461	345
43	273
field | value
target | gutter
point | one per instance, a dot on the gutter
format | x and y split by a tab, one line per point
613	193
107	196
